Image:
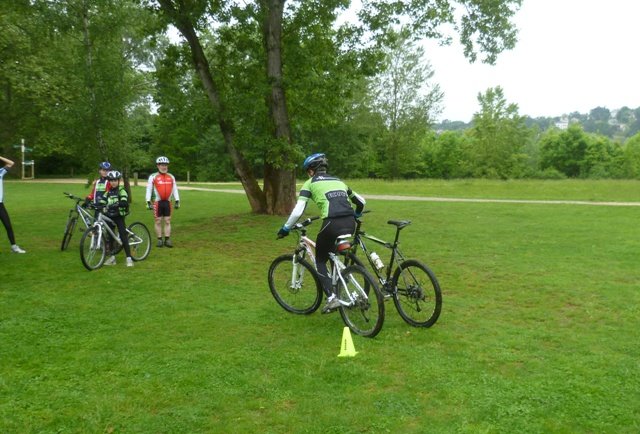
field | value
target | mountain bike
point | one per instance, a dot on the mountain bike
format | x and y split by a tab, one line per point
415	290
295	284
75	213
103	233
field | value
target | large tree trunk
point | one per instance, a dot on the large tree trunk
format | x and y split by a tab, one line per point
279	182
90	81
181	20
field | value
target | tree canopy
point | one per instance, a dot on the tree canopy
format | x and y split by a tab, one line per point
249	88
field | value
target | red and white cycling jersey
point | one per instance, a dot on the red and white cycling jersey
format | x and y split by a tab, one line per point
162	186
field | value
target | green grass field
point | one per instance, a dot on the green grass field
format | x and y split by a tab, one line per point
538	331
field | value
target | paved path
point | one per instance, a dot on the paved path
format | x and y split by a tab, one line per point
391	197
451	199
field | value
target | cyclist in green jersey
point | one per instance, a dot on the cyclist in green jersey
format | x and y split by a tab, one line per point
333	197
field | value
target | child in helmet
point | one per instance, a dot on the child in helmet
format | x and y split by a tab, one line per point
116	207
161	188
100	186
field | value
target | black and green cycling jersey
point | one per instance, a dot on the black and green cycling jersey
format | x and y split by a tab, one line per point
116	201
332	196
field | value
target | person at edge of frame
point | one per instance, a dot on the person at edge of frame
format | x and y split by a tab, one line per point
4	215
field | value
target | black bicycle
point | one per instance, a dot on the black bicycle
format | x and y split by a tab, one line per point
415	290
75	213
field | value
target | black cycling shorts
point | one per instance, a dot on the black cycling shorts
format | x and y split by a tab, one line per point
162	208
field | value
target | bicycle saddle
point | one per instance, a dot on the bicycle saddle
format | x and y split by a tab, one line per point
399	223
343	243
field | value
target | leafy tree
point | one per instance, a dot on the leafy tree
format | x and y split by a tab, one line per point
242	65
80	80
634	126
499	135
304	31
625	115
602	158
600	114
484	26
631	160
598	122
445	155
30	78
564	150
407	101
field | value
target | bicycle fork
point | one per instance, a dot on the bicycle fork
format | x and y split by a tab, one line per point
297	274
96	239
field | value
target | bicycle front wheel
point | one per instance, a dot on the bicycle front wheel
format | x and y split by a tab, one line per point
92	250
295	285
365	315
68	232
417	294
139	241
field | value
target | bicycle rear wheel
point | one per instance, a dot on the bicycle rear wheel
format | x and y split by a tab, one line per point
68	232
139	241
295	285
366	316
92	251
416	294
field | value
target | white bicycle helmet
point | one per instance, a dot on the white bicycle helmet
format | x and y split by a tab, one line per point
162	160
113	175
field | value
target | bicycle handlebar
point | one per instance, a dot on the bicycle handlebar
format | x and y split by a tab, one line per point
71	196
74	197
304	223
300	225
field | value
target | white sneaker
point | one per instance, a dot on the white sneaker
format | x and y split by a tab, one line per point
332	304
16	249
111	260
129	262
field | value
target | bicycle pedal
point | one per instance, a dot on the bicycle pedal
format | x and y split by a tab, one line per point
329	310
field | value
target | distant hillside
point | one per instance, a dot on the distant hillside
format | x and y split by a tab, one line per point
618	124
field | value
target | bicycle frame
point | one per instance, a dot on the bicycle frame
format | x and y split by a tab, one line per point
396	258
336	275
102	224
86	218
412	285
307	246
81	212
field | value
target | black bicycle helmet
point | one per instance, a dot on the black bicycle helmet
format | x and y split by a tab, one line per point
314	161
105	165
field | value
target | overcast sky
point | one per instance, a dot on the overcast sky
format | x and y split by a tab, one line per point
571	55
